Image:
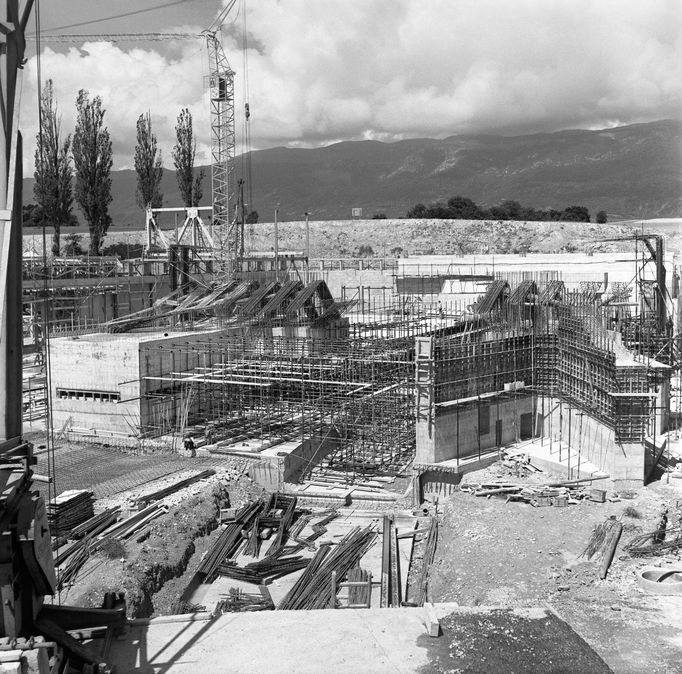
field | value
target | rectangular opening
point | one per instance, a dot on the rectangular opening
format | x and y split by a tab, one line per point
526	426
97	396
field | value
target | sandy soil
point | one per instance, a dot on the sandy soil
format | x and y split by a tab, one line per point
493	553
343	238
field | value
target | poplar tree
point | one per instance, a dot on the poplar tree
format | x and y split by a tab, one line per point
148	165
53	170
92	158
183	159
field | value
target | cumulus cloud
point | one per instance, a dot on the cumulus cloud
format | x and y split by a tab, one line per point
130	83
350	69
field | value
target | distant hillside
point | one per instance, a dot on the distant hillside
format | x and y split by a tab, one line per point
631	172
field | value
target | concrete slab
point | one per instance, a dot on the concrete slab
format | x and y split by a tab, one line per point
556	457
353	640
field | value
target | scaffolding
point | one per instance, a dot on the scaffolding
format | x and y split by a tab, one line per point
294	366
560	349
260	390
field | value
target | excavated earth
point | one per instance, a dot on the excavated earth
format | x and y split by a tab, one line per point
511	555
154	572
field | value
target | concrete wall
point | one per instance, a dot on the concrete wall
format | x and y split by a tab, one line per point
288	339
453	431
119	363
99	362
593	440
285	463
352	279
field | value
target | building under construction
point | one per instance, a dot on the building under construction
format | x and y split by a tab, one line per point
281	371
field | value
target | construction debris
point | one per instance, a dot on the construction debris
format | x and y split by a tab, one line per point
238	600
539	495
648	545
96	524
610	545
265	570
313	588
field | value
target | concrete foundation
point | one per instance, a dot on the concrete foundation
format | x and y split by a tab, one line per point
287	461
464	429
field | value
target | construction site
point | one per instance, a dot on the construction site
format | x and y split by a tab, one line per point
222	458
278	370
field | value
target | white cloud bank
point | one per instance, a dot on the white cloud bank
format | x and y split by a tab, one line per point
326	70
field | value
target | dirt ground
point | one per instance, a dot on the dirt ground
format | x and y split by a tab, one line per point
153	572
343	238
502	640
509	555
490	554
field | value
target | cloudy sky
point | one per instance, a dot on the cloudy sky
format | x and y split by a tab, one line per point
321	71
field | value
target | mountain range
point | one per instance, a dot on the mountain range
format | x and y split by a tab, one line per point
631	172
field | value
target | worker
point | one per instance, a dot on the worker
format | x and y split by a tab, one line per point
190	447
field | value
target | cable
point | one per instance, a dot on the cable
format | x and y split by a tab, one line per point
246	154
220	19
116	37
119	16
49	429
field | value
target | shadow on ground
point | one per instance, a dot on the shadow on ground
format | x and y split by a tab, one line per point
505	641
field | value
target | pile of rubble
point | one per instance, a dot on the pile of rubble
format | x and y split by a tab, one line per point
553	493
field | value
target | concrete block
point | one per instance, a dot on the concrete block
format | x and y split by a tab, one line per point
432	622
11	668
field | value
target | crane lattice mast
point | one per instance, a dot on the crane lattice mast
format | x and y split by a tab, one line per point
221	83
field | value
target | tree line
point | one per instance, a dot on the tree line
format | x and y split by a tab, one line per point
463	208
78	167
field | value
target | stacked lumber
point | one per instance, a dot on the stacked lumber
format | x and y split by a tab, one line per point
69	509
228	541
96	524
136	523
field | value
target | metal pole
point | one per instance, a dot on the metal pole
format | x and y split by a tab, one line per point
307	235
276	243
307	247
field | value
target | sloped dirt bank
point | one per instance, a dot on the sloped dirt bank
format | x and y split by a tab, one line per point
142	569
